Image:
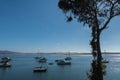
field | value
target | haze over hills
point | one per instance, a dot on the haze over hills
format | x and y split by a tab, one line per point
13	52
7	52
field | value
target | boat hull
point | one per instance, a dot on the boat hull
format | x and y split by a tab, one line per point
39	69
1	65
62	62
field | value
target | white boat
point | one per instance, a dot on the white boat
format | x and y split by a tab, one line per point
4	62
39	69
62	62
5	65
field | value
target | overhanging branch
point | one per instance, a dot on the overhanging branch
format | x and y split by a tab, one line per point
110	17
105	25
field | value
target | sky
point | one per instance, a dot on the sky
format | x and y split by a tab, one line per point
40	26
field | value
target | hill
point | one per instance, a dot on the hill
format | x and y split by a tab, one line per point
7	52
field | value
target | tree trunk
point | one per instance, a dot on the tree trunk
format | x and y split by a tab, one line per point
96	51
99	58
99	54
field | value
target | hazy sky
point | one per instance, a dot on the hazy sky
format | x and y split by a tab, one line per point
32	25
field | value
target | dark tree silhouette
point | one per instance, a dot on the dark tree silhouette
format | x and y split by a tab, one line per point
93	72
96	14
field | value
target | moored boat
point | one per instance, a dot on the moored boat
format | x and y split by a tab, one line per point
58	60
6	59
42	60
37	57
62	62
5	65
39	69
68	58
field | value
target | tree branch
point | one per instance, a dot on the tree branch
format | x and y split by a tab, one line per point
110	17
105	25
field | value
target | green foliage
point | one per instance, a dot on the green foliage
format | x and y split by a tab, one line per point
95	13
87	10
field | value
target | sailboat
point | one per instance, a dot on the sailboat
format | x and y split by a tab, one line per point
41	68
105	60
40	59
68	58
37	57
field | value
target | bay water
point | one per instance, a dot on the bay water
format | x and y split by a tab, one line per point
23	65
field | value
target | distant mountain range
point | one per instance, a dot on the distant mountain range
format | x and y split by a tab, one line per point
7	52
12	52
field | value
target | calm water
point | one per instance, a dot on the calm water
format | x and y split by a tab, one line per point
23	64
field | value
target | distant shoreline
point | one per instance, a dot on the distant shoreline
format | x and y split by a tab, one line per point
89	53
65	53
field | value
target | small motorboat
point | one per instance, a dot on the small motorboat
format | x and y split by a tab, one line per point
39	69
6	59
62	62
5	65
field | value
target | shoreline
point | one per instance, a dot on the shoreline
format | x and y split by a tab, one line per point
65	53
110	53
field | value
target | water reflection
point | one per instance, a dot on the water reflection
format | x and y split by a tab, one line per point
3	73
4	70
97	71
